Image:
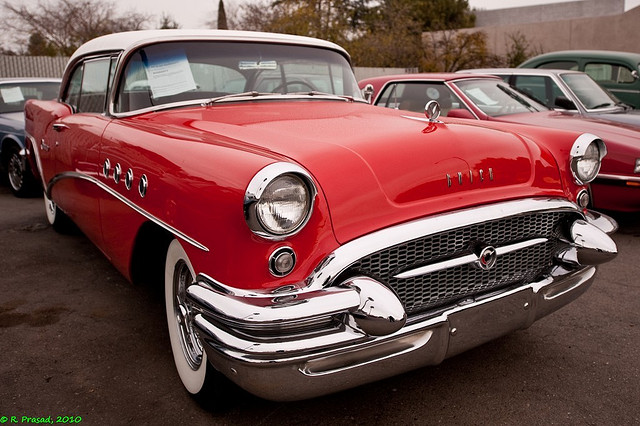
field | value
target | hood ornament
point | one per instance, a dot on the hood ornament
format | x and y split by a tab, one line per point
432	111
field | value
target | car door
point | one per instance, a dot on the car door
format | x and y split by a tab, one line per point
76	138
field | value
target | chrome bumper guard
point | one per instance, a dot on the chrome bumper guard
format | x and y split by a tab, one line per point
305	343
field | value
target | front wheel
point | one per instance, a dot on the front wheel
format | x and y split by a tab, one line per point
19	174
56	217
188	354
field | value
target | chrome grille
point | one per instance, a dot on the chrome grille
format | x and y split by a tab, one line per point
434	289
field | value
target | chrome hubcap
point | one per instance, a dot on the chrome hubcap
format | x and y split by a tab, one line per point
191	346
15	171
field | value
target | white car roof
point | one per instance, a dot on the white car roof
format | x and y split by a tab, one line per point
131	39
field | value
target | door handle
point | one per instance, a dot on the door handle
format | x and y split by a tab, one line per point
59	127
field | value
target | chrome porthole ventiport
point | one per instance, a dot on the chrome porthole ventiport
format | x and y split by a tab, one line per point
128	179
143	186
106	168
282	261
117	173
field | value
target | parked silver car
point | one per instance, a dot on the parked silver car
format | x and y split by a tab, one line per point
573	91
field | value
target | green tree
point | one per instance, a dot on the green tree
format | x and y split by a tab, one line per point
450	51
222	17
65	24
39	46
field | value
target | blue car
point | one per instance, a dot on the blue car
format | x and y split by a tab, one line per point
13	94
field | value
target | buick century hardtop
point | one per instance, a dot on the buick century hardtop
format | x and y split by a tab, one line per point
308	242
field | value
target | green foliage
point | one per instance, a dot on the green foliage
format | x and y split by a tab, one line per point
384	33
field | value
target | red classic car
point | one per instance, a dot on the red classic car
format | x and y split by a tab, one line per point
306	241
484	97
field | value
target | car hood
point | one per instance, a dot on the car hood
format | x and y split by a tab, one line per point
631	118
375	167
613	134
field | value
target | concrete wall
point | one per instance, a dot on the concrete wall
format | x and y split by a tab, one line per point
549	12
612	32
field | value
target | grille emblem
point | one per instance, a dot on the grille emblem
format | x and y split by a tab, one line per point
487	258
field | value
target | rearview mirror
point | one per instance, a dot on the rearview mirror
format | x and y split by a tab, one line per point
564	103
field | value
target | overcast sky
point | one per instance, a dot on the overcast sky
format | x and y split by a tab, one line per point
197	13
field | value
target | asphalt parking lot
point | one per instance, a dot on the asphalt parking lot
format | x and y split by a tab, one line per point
79	342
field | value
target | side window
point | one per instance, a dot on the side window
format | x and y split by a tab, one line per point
534	86
609	73
559	65
540	88
72	96
95	82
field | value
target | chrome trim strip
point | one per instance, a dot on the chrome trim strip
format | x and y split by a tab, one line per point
129	203
618	177
467	259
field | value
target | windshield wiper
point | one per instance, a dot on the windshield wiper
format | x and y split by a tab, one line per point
606	104
251	94
517	97
318	93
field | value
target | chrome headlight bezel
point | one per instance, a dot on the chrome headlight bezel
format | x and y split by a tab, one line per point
587	148
260	188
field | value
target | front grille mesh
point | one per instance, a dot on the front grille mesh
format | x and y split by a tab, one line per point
438	288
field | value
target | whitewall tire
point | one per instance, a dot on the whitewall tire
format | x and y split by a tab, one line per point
190	359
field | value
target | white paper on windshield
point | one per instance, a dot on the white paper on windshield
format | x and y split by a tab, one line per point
481	96
257	65
12	94
169	74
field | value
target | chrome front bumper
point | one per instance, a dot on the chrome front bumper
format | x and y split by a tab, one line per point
304	344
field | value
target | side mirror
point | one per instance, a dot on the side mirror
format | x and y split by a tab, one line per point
564	103
460	113
367	92
635	74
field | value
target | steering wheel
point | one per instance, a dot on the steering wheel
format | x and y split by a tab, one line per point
291	83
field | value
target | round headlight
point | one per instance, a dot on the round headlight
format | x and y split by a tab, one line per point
284	205
586	157
279	200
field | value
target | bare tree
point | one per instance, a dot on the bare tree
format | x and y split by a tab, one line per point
519	49
65	24
168	23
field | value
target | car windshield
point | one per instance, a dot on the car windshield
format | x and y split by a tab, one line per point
495	98
588	91
14	95
183	71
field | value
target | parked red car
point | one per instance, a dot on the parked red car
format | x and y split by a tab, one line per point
306	241
484	97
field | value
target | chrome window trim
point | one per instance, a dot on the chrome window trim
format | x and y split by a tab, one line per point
127	202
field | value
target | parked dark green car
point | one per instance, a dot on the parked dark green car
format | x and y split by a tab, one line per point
618	72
